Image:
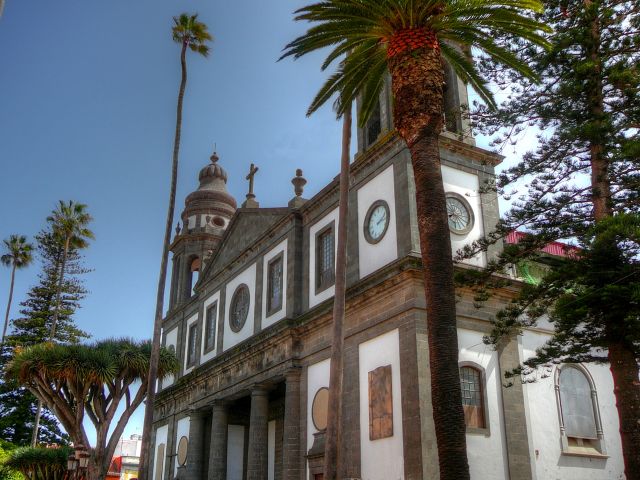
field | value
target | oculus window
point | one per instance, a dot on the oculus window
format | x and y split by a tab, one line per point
459	214
239	308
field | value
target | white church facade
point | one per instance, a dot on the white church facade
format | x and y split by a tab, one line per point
250	320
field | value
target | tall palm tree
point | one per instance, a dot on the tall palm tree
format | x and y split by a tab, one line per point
193	35
69	224
18	256
410	39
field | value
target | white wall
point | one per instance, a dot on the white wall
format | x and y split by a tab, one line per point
171	338
319	225
280	314
190	322
467	185
182	430
487	454
374	256
317	378
381	459
161	437
248	277
209	301
549	460
235	452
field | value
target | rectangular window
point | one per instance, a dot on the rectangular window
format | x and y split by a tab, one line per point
325	259
274	284
210	327
191	344
472	397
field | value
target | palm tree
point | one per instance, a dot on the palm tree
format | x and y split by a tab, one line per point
105	382
69	226
192	35
18	256
410	39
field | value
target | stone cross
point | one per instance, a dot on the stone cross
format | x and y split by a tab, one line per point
252	172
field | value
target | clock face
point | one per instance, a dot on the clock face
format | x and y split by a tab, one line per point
376	221
459	214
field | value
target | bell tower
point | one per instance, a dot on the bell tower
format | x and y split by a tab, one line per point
456	102
205	217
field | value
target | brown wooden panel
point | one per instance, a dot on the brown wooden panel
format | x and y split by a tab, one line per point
380	403
473	416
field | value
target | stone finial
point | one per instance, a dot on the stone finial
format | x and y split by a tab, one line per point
298	183
214	157
178	229
298	187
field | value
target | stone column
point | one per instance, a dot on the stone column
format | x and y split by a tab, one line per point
291	437
219	437
258	435
196	444
515	419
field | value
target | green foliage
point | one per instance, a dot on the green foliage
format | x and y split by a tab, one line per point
40	463
17	404
69	224
362	29
6	472
19	251
191	33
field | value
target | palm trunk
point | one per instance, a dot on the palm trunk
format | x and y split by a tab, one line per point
143	473
417	82
6	316
52	333
333	435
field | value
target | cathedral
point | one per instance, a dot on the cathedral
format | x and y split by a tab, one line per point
250	320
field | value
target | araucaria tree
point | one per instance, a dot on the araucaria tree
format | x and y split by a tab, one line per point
410	39
582	183
69	226
192	35
95	381
18	256
33	326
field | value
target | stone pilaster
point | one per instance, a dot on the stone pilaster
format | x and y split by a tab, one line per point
515	420
258	435
219	438
291	438
196	444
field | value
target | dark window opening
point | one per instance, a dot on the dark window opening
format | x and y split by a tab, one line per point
191	344
472	397
210	327
275	284
373	127
325	259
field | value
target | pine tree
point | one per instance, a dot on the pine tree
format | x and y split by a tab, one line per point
581	183
18	405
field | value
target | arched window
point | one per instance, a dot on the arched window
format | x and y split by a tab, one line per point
580	425
192	276
472	385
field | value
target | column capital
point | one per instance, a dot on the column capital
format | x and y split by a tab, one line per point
196	413
219	404
293	374
260	389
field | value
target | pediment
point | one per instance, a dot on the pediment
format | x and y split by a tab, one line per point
247	226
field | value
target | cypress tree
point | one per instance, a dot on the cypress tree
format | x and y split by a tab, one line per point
17	404
581	183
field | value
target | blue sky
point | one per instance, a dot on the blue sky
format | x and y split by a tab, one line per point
87	112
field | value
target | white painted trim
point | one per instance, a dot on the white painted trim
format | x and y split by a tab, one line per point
315	299
205	357
190	322
280	314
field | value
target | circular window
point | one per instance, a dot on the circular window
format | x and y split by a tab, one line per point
319	409
239	308
459	213
376	221
183	446
218	221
